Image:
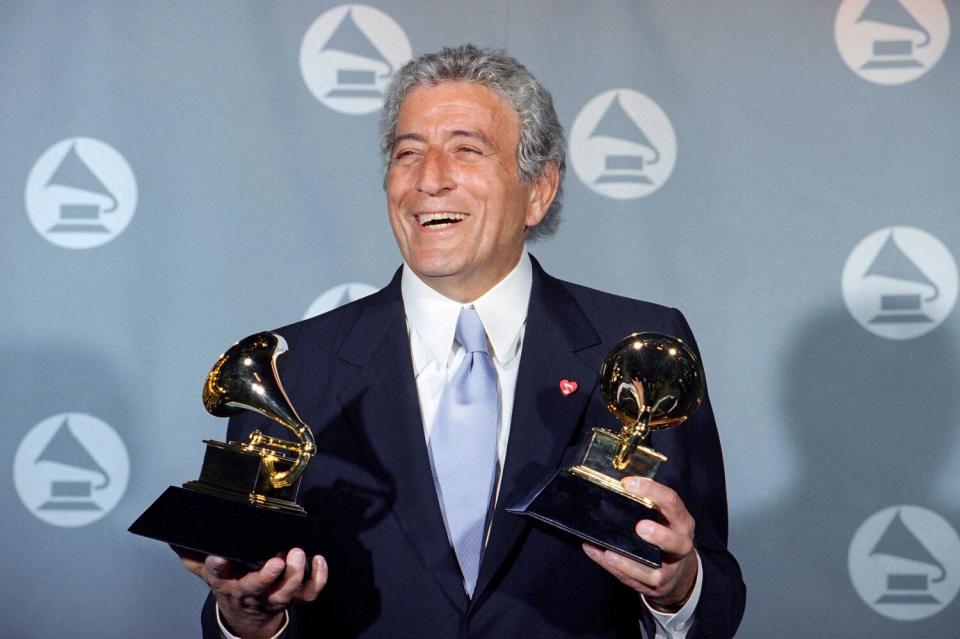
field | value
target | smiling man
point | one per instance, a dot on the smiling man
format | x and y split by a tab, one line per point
458	206
436	403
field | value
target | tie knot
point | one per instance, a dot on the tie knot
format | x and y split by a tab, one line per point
470	331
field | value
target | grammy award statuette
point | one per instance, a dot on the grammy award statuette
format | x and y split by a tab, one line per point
648	381
243	506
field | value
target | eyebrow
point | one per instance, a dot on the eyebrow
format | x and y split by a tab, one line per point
456	133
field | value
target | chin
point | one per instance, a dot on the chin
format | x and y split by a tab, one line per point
433	272
433	266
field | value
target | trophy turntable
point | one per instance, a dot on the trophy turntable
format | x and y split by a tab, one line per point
243	506
648	381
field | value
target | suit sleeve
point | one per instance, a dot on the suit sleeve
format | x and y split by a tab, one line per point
703	489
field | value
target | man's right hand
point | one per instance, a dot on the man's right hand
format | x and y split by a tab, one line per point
251	603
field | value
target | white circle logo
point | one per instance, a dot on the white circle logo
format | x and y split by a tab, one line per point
71	469
348	56
891	41
900	282
622	145
904	562
81	193
338	296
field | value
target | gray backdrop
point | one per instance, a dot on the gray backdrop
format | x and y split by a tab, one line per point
177	175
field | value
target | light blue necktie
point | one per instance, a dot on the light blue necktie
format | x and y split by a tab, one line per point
463	445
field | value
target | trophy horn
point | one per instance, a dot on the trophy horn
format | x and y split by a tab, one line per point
245	378
649	381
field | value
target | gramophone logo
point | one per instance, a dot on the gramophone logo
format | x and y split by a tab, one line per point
338	296
348	56
904	562
622	145
71	469
81	193
891	41
900	282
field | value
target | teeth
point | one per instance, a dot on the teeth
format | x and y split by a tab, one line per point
437	219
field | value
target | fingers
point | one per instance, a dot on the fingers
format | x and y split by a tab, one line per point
633	574
245	583
667	500
279	582
318	579
293	588
671	583
676	535
667	588
290	585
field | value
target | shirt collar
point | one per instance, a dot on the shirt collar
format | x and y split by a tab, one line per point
433	317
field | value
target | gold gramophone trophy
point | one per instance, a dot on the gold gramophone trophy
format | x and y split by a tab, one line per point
649	382
243	506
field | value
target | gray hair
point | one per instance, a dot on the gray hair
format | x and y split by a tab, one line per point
541	134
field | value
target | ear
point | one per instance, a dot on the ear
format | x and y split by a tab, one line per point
543	190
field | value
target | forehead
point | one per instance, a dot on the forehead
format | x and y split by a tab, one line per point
452	104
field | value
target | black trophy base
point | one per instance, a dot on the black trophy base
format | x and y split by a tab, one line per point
593	513
234	529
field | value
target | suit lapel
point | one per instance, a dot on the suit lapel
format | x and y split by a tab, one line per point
559	343
380	401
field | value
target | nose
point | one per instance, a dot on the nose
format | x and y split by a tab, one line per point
435	175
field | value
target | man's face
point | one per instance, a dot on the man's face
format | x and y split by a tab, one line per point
456	203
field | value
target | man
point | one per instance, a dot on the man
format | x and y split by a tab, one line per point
409	493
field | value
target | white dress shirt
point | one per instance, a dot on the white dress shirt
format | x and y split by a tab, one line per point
432	324
431	327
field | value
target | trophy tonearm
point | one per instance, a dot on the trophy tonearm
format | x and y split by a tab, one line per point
245	378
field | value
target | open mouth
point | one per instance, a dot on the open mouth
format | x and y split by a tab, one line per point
439	220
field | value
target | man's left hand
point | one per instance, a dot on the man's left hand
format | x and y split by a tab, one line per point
668	587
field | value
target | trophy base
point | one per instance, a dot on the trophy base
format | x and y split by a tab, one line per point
237	530
593	513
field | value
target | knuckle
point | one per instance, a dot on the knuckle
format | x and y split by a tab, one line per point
672	500
657	535
655	579
652	534
279	599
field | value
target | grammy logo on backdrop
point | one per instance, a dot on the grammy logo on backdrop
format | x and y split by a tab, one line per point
80	193
81	216
900	282
622	145
891	42
363	69
904	563
894	53
72	493
348	56
624	167
907	587
896	308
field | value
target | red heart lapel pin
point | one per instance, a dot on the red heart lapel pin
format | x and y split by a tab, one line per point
567	386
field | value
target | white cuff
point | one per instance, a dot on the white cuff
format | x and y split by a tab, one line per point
675	625
226	634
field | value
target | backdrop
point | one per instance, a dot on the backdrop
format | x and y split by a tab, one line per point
177	175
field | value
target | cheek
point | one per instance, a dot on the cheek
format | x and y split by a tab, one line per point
397	184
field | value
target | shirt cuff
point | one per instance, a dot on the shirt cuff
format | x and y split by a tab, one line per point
675	625
226	634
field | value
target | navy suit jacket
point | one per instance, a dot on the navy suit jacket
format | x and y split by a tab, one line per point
393	572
